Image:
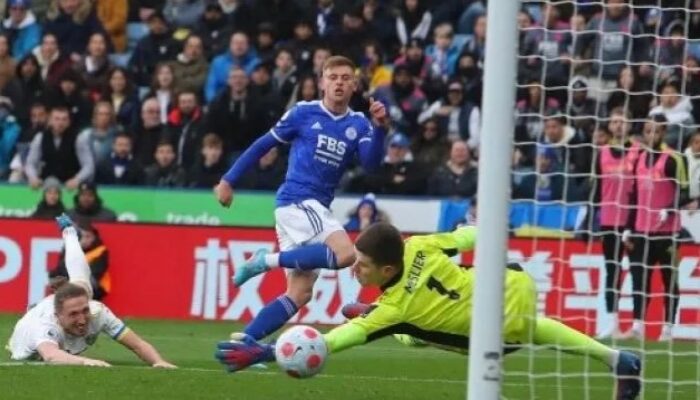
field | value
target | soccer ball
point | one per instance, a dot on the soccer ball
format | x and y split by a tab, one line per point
301	351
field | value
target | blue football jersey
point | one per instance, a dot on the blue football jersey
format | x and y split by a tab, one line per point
323	145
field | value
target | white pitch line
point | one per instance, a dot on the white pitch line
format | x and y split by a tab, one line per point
359	377
543	352
268	373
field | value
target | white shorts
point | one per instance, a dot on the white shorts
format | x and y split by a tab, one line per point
308	222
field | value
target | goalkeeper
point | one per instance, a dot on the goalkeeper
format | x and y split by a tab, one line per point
428	297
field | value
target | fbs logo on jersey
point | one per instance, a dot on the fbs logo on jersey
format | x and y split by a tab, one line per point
326	144
316	126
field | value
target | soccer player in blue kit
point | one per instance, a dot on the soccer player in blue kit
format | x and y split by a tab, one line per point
324	135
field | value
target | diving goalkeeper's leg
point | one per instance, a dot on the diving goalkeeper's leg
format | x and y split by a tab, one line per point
627	365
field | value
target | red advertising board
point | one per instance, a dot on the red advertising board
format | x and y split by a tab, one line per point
166	271
181	272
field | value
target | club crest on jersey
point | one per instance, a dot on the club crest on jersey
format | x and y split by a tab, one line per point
351	133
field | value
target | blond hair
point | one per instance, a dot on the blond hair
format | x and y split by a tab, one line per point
338	61
68	291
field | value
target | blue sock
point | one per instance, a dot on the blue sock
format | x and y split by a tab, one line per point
309	257
271	317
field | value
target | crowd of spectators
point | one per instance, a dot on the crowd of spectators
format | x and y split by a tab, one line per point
167	93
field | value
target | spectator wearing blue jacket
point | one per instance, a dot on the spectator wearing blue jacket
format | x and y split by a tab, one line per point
22	28
240	54
445	51
9	133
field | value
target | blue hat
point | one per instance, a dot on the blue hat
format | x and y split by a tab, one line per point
370	200
19	3
399	140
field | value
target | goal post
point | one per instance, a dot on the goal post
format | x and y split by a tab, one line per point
572	97
486	346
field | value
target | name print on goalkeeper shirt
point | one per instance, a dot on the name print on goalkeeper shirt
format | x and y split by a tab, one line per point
415	271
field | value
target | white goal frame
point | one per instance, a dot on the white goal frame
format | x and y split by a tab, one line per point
486	345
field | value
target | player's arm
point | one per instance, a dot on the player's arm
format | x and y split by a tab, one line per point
344	337
51	353
83	151
117	330
632	215
143	350
249	157
33	162
371	144
283	132
379	321
596	181
459	240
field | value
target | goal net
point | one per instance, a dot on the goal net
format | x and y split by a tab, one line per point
608	98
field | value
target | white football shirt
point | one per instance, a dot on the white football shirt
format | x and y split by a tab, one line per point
40	325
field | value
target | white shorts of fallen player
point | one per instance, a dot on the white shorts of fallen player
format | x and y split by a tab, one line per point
308	222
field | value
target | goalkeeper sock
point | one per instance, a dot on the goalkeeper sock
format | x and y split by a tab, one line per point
76	263
271	317
309	257
553	333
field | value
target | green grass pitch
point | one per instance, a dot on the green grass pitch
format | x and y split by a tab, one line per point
382	370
